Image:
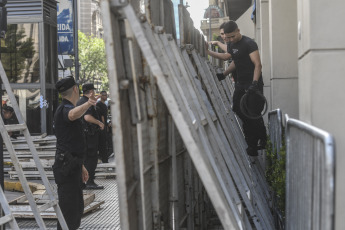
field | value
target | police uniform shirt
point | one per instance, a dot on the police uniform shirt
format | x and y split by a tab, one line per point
102	110
69	134
240	54
91	111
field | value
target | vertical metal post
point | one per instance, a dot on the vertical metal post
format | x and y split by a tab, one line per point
2	227
43	60
209	29
75	37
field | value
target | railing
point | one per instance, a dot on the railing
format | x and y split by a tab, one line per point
310	177
275	127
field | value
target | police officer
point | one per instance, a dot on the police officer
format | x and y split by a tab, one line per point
92	127
102	110
69	172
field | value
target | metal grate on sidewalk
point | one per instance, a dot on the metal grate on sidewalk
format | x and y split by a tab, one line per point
107	217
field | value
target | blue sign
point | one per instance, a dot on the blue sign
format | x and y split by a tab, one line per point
65	26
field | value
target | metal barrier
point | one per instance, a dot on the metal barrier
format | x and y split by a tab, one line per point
275	128
310	177
173	120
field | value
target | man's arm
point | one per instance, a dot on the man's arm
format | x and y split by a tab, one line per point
78	111
85	174
91	119
223	46
222	56
255	58
230	69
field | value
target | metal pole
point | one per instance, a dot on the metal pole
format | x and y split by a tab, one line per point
75	37
2	227
2	179
209	30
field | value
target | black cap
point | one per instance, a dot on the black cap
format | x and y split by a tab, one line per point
88	86
65	84
7	108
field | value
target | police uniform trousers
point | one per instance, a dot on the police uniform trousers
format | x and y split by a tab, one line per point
91	157
70	193
254	129
102	145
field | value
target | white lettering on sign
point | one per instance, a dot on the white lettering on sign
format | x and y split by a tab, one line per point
63	39
63	27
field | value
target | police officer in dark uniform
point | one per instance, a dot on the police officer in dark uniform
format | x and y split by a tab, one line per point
102	110
69	171
92	126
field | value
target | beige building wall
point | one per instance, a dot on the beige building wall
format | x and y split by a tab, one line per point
321	69
246	25
263	38
283	55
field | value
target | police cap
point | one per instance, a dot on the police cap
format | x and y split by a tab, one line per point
65	84
88	86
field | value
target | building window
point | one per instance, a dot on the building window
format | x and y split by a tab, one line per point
20	53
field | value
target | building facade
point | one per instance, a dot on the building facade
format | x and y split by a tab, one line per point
89	17
214	16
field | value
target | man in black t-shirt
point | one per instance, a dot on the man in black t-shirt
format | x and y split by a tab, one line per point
102	110
92	126
69	171
247	64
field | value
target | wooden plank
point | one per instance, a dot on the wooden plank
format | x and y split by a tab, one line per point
36	174
25	212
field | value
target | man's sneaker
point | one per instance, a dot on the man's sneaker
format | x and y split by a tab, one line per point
252	152
93	185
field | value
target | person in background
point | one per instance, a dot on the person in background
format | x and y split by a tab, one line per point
102	110
224	46
92	127
10	118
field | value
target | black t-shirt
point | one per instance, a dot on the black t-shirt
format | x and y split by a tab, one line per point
234	74
102	110
240	54
69	134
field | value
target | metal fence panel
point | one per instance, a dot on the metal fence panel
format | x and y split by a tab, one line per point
162	186
310	177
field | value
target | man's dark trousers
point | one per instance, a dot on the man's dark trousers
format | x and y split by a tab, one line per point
70	193
254	129
102	145
91	158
